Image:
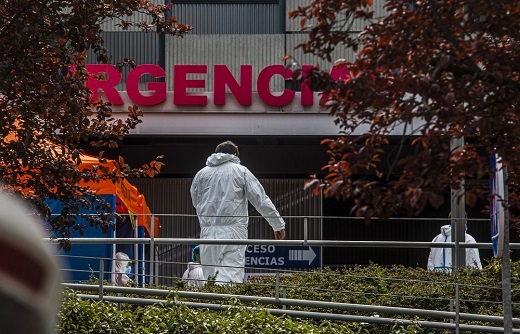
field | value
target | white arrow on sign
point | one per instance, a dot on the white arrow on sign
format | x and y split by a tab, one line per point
302	255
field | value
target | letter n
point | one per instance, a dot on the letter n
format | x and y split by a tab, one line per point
224	78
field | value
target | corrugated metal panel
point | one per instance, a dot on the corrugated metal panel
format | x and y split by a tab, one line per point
112	25
141	47
356	229
379	12
420	229
293	25
379	9
230	18
231	50
291	5
295	39
211	18
170	200
293	203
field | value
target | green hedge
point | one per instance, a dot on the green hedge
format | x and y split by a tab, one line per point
373	285
88	316
480	291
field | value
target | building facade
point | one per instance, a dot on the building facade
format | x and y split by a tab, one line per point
227	80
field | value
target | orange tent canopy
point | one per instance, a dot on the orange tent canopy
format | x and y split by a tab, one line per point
124	190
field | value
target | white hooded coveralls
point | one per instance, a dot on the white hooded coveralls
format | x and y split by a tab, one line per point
122	263
194	276
440	258
220	193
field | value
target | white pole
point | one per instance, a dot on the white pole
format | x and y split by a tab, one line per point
458	216
506	267
152	250
136	250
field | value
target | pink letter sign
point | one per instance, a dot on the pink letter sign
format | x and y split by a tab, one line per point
159	88
264	92
181	84
242	92
108	86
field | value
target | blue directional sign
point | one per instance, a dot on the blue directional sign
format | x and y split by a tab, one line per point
277	257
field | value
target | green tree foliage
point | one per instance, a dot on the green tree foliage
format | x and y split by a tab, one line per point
44	101
427	71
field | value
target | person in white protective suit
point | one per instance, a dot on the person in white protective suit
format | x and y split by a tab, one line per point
220	193
123	268
440	258
194	275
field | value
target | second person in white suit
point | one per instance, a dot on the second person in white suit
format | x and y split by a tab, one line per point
440	258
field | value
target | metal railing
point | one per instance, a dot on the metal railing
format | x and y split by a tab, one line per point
454	316
282	302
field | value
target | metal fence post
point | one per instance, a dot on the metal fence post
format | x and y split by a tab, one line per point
305	230
451	310
458	215
101	274
284	289
277	287
506	264
457	308
152	251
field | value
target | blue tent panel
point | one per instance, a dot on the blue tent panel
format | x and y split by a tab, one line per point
82	260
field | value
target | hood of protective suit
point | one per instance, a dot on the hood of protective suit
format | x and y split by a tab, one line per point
122	262
193	265
219	158
194	275
446	230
